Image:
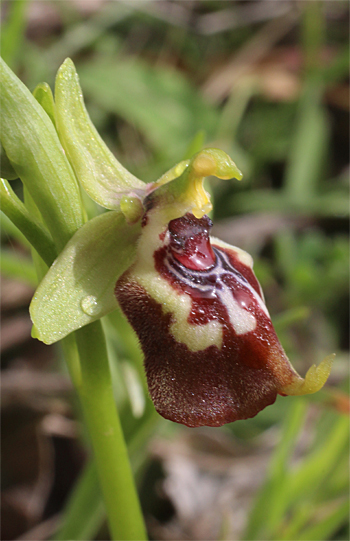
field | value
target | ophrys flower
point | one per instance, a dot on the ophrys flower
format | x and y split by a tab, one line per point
211	353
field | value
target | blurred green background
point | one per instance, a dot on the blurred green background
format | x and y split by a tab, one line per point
266	81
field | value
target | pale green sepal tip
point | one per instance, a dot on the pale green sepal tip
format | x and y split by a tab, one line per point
35	333
79	286
104	179
172	174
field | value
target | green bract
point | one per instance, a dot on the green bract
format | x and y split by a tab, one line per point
32	145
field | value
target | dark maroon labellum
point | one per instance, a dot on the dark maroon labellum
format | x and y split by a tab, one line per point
211	353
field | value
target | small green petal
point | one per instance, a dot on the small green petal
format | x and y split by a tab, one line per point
79	287
104	179
43	95
132	208
181	190
173	173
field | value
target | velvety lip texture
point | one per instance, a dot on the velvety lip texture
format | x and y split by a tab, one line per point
225	381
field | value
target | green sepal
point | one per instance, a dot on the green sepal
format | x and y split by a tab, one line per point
181	190
79	287
35	152
43	95
172	174
104	179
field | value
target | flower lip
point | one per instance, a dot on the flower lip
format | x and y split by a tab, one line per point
211	353
189	242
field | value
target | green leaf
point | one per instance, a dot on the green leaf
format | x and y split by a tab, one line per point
32	229
13	31
272	499
309	147
85	510
321	463
195	145
34	150
79	287
332	520
101	175
41	267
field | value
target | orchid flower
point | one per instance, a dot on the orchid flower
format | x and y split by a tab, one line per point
211	353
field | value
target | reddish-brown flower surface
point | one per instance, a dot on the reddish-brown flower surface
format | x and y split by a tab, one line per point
211	353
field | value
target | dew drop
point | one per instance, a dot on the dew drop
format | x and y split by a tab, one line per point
90	306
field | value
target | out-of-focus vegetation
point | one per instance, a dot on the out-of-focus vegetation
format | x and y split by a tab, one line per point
267	82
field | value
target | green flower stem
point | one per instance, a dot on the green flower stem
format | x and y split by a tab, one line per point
113	467
35	233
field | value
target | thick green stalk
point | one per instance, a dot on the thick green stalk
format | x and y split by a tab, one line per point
96	395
